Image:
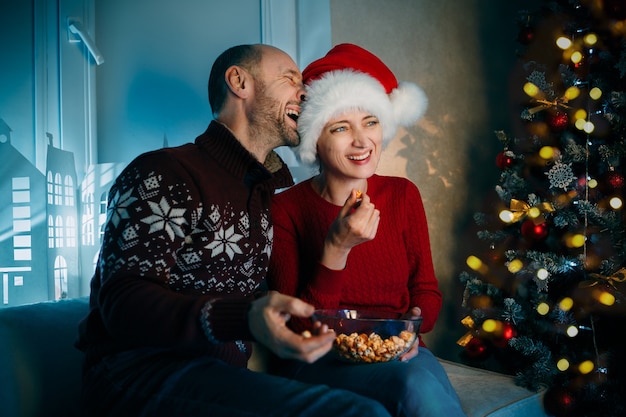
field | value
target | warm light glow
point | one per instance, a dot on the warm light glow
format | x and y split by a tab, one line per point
515	266
543	308
563	42
506	216
490	325
474	262
606	298
586	366
595	93
577	240
576	57
534	212
590	39
546	152
572	92
531	89
580	123
572	331
562	364
592	183
589	127
542	274
615	203
580	114
566	304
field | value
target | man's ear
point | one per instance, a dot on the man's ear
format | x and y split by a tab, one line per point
238	81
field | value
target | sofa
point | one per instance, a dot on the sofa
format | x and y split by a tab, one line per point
40	368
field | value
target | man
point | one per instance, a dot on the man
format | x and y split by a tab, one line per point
186	245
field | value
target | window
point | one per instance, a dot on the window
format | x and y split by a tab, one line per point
20	196
70	228
69	191
60	278
58	232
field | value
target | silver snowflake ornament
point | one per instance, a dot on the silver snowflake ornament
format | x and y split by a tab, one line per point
561	175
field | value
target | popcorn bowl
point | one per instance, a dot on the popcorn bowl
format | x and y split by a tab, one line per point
369	336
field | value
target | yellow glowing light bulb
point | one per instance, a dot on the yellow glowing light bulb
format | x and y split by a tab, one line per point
506	216
515	266
589	127
580	124
590	39
592	183
572	92
576	57
580	114
531	89
606	298
543	274
572	331
578	240
546	152
615	203
534	212
566	304
595	93
490	325
563	42
474	262
586	366
543	308
562	364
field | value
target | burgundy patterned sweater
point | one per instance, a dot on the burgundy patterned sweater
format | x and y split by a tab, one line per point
187	242
393	272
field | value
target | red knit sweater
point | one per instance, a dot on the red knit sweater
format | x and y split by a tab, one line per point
393	272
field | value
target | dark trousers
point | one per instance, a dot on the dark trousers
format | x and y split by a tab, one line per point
150	383
417	388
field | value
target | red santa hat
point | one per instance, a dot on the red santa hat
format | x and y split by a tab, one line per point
349	77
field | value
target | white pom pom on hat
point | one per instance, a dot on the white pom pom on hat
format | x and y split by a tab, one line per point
349	77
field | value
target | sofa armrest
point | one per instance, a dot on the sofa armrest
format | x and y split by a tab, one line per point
40	369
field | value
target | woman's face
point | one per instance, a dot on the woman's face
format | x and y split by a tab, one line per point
350	145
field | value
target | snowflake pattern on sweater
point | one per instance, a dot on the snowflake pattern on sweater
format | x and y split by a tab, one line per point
186	245
224	250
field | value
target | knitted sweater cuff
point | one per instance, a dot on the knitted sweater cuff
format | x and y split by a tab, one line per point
226	320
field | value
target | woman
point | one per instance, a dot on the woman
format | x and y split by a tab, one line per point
348	238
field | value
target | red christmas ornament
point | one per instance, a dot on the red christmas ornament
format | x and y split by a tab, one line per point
476	349
559	402
504	161
526	35
615	180
533	231
558	120
610	182
508	332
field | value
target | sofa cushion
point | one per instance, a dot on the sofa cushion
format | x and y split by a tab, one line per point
489	394
40	370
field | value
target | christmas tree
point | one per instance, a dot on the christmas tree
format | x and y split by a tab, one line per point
545	288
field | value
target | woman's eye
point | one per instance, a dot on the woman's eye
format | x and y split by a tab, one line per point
339	129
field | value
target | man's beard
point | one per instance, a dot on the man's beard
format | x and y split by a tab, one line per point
267	123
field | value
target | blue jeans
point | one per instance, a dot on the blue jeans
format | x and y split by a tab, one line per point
418	388
153	383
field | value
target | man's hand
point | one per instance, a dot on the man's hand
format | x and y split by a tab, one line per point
268	318
414	313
